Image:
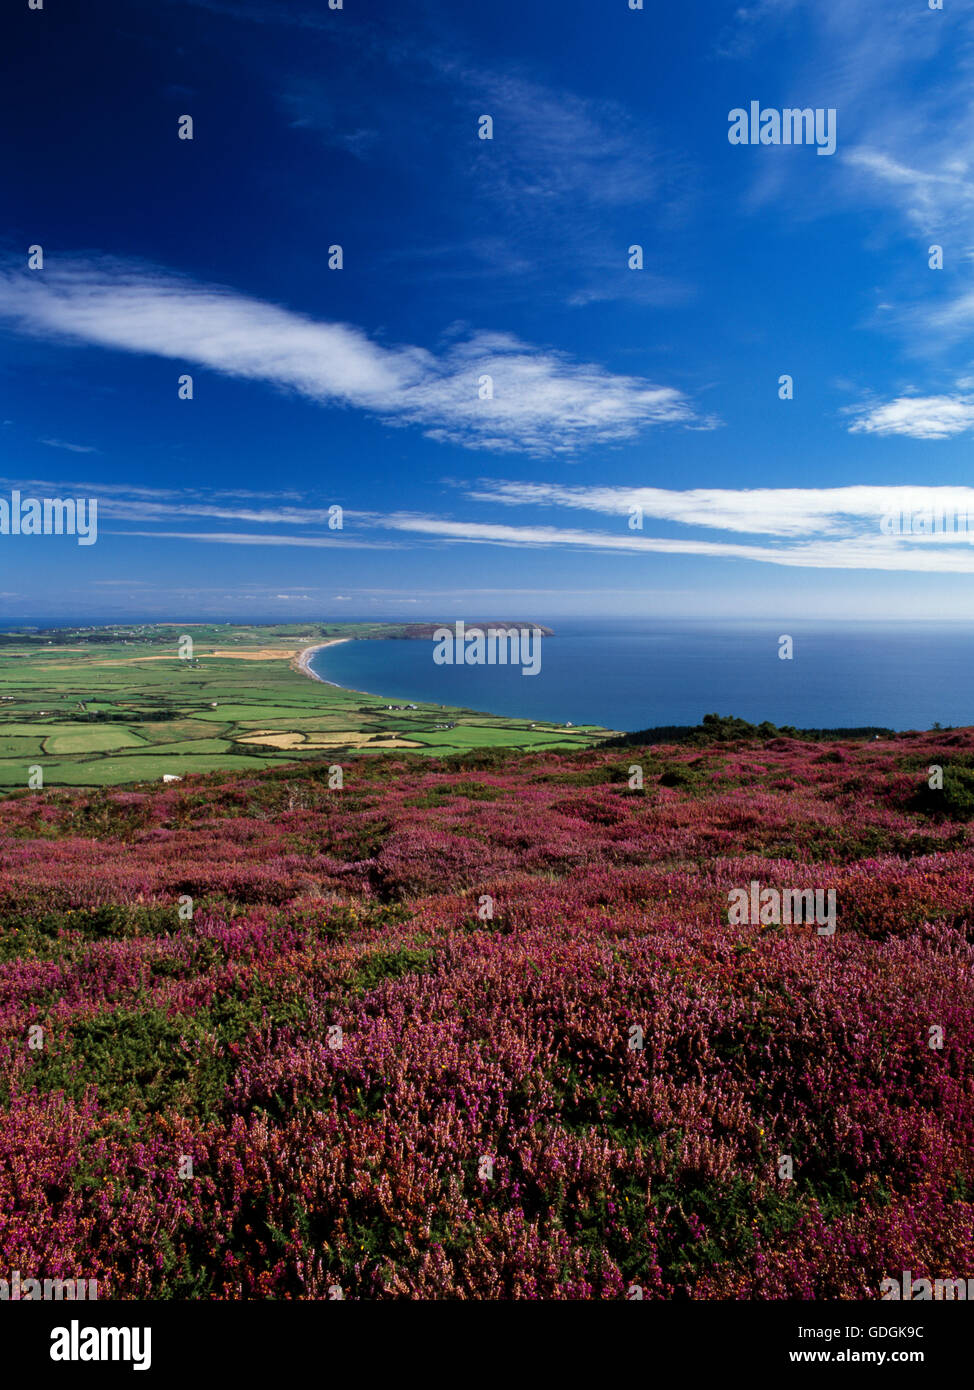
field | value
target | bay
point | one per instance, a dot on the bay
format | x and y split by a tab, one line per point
632	674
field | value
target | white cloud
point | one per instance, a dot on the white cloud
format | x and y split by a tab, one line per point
72	448
784	512
919	417
900	79
255	538
814	528
138	510
874	552
561	146
948	323
543	402
925	191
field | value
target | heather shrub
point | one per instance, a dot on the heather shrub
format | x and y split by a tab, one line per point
395	1036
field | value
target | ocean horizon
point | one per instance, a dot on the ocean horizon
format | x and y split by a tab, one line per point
629	674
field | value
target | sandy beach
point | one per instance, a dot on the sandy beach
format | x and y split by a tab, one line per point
301	662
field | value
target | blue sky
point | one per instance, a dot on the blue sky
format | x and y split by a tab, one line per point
463	258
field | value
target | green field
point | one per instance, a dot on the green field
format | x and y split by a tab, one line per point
107	706
92	740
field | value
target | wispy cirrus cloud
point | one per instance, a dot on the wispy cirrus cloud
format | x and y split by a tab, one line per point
875	552
749	24
781	512
136	509
336	540
917	417
912	528
928	196
543	401
556	147
906	528
899	76
72	448
150	503
561	162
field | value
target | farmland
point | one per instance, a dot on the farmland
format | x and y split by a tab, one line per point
103	707
264	1038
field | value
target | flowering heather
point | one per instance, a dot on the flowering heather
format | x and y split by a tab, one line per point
482	1029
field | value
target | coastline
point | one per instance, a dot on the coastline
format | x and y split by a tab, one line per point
302	661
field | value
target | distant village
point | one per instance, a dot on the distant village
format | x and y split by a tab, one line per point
416	707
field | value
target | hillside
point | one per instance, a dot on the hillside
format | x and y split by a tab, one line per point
486	933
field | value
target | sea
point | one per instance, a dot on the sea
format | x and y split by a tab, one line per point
630	674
